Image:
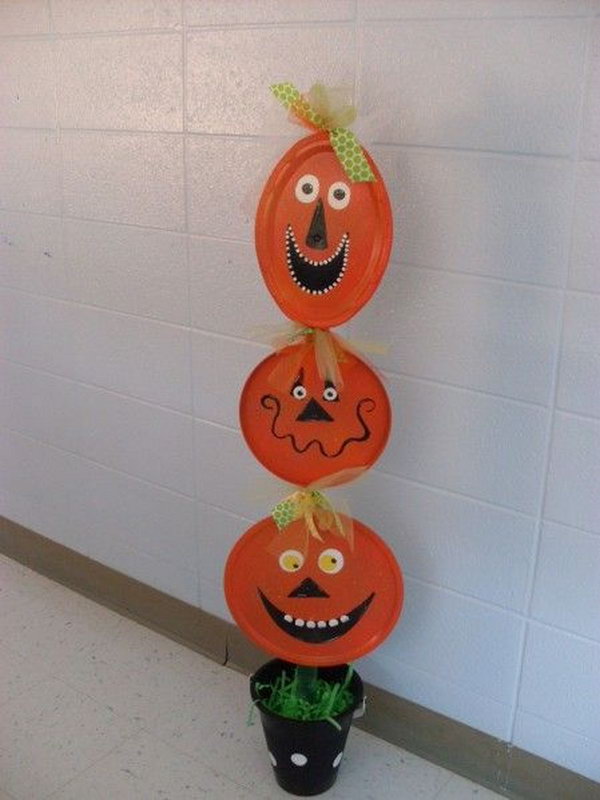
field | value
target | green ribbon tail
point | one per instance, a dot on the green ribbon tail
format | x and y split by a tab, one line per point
350	155
344	143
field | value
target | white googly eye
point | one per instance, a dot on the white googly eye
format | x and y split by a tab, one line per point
338	196
291	560
330	393
307	189
299	392
331	561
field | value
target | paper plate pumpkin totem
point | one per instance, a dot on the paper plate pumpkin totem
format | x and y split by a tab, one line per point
313	602
323	239
305	428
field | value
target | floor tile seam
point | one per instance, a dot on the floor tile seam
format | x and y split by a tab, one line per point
199	760
77	687
450	777
198	757
22	692
61	789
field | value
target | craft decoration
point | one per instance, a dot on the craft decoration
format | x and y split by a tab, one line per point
323	224
310	584
304	427
317	512
313	601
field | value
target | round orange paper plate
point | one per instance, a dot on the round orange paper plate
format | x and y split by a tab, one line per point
322	242
311	602
305	429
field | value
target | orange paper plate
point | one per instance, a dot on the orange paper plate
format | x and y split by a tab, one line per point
311	602
322	242
305	429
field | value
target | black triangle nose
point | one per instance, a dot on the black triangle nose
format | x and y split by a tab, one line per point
308	588
313	412
317	233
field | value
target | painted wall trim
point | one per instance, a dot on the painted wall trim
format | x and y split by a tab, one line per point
484	759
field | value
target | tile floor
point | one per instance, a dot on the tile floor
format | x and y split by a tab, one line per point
96	707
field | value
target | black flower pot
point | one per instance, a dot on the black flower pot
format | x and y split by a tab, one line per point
306	754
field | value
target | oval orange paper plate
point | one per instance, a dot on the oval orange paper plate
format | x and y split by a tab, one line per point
322	242
311	602
305	429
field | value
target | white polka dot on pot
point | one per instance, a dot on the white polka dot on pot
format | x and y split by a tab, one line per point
273	759
337	759
299	759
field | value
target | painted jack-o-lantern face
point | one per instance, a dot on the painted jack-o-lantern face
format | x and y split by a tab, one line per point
322	241
304	428
313	602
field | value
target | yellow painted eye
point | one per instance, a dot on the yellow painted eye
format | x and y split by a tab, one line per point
331	561
291	560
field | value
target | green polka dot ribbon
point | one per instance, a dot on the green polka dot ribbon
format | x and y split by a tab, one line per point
316	110
311	505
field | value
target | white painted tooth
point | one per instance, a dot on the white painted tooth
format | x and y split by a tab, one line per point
288	618
344	618
321	624
311	623
333	622
299	623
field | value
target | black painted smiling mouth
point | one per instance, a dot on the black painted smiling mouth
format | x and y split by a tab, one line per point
316	277
316	631
366	405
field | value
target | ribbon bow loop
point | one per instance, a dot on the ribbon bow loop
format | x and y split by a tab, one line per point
325	109
316	510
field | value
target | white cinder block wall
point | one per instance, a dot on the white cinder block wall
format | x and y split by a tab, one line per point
135	138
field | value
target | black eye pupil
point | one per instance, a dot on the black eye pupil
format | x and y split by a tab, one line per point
307	188
339	194
334	560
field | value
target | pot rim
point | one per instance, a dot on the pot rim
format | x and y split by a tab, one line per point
355	686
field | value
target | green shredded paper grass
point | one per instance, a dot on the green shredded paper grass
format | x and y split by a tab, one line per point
304	696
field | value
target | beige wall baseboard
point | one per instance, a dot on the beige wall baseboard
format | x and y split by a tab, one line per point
476	755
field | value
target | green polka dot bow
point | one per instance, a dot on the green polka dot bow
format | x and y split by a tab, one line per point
317	512
317	109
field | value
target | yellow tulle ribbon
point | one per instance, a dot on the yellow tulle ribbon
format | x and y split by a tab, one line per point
326	110
318	514
330	351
